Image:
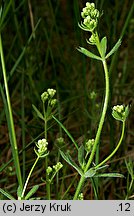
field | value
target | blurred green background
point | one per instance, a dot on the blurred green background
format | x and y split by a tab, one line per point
40	41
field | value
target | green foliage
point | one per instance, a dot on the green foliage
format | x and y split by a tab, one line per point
70	161
103	45
120	113
114	49
39	55
6	194
88	53
81	156
90	173
66	131
31	192
39	114
111	175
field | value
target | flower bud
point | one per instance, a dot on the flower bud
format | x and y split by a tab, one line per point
44	96
90	16
51	92
93	94
53	102
60	141
42	147
88	4
49	170
92	5
120	112
80	197
58	166
89	145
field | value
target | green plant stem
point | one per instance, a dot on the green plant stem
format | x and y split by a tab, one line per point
23	126
95	182
80	184
46	159
99	128
102	116
47	180
98	44
29	175
11	122
68	188
117	147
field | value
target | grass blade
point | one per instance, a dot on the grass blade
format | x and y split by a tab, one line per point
10	119
67	132
32	191
6	194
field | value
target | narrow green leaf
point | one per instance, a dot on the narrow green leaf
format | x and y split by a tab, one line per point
70	161
81	155
103	46
83	27
31	192
102	167
88	53
10	120
4	13
64	156
116	46
39	114
127	111
90	173
130	168
66	131
19	191
9	128
75	165
6	194
111	175
18	60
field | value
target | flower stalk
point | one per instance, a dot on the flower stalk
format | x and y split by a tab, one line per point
91	16
41	152
48	104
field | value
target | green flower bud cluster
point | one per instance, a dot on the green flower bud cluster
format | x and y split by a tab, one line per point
42	147
49	170
89	144
120	112
44	96
92	39
53	170
10	171
90	15
53	102
51	92
119	109
48	95
60	141
93	95
81	197
58	166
